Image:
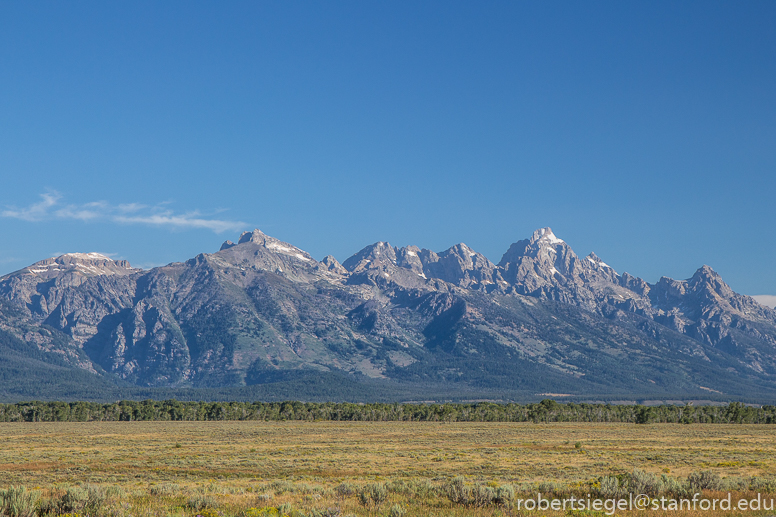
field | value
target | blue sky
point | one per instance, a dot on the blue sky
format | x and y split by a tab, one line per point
154	131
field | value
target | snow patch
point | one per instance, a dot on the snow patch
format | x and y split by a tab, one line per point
546	236
468	250
598	262
294	252
88	256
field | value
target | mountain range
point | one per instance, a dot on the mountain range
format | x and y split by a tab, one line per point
262	318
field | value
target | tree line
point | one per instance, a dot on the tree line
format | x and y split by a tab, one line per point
544	411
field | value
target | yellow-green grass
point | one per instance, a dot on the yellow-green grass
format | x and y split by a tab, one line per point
161	464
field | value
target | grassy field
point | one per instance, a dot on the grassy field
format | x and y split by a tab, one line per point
227	468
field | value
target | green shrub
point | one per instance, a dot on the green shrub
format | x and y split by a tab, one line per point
373	494
18	502
167	489
672	485
704	480
470	496
282	486
115	491
734	484
344	490
73	500
640	482
609	487
200	502
399	486
397	511
548	488
761	485
505	496
95	499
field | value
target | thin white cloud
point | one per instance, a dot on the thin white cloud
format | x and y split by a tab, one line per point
36	211
50	208
189	220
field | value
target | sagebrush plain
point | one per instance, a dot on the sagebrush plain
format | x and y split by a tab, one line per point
329	468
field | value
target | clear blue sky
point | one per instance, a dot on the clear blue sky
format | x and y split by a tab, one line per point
643	131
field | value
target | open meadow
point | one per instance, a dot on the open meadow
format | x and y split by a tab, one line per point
252	468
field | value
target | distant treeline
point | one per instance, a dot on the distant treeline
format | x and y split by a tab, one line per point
544	411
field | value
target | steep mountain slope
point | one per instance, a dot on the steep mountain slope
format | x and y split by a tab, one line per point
263	311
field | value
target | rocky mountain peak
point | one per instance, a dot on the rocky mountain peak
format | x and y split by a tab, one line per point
256	237
542	243
82	264
544	237
705	278
370	257
463	251
332	264
67	270
705	274
462	266
259	238
596	262
409	257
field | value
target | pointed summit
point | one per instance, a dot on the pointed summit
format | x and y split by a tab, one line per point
333	265
373	256
545	237
270	243
594	260
706	278
460	265
543	241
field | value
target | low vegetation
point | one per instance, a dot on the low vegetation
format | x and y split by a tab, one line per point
397	469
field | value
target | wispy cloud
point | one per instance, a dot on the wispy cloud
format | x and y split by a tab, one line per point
187	220
36	211
51	207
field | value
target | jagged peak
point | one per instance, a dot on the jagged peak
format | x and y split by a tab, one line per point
595	260
329	260
706	275
706	271
410	250
256	236
545	237
462	249
332	264
378	252
261	239
543	241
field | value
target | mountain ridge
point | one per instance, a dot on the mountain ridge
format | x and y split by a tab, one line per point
262	310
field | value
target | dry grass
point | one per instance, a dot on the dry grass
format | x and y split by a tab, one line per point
301	463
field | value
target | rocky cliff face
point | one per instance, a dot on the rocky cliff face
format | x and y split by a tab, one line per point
543	319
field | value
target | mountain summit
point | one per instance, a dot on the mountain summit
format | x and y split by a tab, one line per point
262	311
